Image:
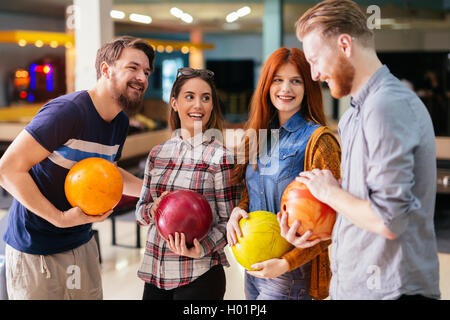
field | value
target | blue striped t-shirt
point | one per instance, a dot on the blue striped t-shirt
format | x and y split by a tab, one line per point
71	129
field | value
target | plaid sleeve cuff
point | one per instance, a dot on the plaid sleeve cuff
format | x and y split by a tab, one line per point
145	217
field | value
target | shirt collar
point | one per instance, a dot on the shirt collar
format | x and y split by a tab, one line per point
294	123
363	93
194	141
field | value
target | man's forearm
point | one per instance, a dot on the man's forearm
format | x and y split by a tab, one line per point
357	211
23	188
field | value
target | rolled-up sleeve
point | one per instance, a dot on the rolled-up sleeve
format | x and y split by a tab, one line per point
390	176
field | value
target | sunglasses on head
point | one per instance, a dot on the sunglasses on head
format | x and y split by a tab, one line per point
190	71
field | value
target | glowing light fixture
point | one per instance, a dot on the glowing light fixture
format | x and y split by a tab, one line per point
186	17
140	18
185	49
233	16
176	12
45	69
244	11
21	74
54	39
117	14
39	38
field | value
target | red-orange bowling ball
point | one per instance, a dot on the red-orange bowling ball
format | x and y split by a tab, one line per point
299	204
94	185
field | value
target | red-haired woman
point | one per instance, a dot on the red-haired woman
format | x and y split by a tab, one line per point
288	104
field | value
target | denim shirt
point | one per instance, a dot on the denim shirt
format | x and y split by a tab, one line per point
279	166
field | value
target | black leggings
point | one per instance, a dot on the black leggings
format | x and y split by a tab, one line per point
209	286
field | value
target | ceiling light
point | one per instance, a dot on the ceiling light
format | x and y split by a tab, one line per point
116	14
176	12
231	17
186	17
140	18
243	11
185	50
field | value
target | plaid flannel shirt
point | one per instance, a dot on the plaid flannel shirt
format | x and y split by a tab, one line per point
199	164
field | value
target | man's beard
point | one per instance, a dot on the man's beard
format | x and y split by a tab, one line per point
130	104
342	78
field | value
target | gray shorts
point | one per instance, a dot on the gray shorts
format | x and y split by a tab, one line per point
73	274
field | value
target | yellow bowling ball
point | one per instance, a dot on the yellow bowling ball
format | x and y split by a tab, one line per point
261	239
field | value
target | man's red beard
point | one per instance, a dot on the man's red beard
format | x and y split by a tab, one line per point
342	78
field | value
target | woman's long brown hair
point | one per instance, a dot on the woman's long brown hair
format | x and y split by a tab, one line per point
263	112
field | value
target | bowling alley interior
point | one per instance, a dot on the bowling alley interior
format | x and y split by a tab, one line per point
47	49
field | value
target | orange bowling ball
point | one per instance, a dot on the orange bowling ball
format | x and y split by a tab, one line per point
94	185
299	204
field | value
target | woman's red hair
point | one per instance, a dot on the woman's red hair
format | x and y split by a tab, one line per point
263	112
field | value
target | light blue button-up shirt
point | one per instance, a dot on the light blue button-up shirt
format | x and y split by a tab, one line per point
388	158
279	166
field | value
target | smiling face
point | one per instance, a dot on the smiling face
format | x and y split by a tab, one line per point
328	64
129	79
287	90
193	104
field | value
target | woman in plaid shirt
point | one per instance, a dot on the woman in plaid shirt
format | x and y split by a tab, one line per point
197	161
